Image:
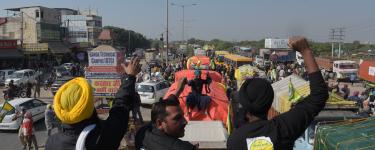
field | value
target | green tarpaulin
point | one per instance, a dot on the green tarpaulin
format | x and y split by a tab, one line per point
347	135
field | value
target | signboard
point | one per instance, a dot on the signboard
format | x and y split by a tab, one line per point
276	43
8	44
102	75
104	69
102	58
199	52
371	71
105	87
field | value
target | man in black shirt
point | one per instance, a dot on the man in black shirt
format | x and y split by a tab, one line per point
166	127
255	99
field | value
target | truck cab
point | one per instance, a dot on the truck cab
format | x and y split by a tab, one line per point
344	69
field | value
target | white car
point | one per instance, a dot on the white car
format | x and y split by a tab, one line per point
21	77
35	106
151	91
5	74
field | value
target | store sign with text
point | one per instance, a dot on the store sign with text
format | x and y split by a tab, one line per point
8	44
105	87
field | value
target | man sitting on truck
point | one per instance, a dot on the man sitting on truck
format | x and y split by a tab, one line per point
255	99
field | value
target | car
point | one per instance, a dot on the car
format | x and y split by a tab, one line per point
5	74
35	106
21	77
67	66
151	91
58	82
61	71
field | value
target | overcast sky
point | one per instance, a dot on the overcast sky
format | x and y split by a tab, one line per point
232	20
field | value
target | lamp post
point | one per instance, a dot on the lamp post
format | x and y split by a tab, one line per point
166	58
183	17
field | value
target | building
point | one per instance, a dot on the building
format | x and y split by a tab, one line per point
10	28
40	35
83	28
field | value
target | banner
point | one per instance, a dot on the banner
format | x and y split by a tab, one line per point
117	69
105	87
102	75
99	58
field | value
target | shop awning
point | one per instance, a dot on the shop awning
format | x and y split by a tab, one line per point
10	53
58	48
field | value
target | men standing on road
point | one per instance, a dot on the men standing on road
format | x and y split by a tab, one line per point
50	120
255	99
81	127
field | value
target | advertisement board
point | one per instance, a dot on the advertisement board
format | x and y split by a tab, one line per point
104	58
8	44
276	43
105	87
105	69
102	75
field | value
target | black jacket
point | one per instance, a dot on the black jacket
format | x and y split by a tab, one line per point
151	138
284	129
107	134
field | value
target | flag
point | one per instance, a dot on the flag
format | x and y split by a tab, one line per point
229	119
294	96
5	109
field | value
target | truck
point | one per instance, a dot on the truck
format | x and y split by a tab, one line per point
367	72
335	109
338	69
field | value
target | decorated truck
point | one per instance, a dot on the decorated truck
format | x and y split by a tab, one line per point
367	72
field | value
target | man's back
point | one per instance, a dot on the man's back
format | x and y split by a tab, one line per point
283	130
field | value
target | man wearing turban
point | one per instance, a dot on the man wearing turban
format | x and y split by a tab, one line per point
255	98
81	127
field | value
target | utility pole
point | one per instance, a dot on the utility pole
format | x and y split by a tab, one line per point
332	38
166	58
21	29
340	38
337	36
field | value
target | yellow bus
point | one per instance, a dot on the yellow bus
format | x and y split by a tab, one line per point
219	57
236	60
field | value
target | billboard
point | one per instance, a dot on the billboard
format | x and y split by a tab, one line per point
276	43
104	58
5	44
105	87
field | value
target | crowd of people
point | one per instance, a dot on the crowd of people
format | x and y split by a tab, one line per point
74	114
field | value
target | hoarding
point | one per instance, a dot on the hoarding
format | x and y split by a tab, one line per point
102	75
105	87
8	44
276	43
101	58
109	69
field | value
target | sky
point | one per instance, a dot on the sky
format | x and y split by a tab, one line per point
231	20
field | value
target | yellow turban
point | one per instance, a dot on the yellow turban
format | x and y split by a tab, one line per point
73	101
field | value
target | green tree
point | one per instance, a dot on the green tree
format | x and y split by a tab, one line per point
121	38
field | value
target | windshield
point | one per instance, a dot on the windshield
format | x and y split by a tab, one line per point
16	75
348	66
145	88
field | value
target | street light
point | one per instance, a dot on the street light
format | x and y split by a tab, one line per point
183	17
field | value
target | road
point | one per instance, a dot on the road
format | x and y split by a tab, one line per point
9	139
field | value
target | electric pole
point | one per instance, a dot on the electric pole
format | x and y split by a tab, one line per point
337	36
166	60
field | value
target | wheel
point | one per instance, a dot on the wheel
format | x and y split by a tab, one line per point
23	94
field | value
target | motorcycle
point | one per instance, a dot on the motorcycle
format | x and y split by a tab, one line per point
47	84
19	92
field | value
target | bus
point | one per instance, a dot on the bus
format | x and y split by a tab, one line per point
219	57
236	60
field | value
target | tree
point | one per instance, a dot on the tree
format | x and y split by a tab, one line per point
121	38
